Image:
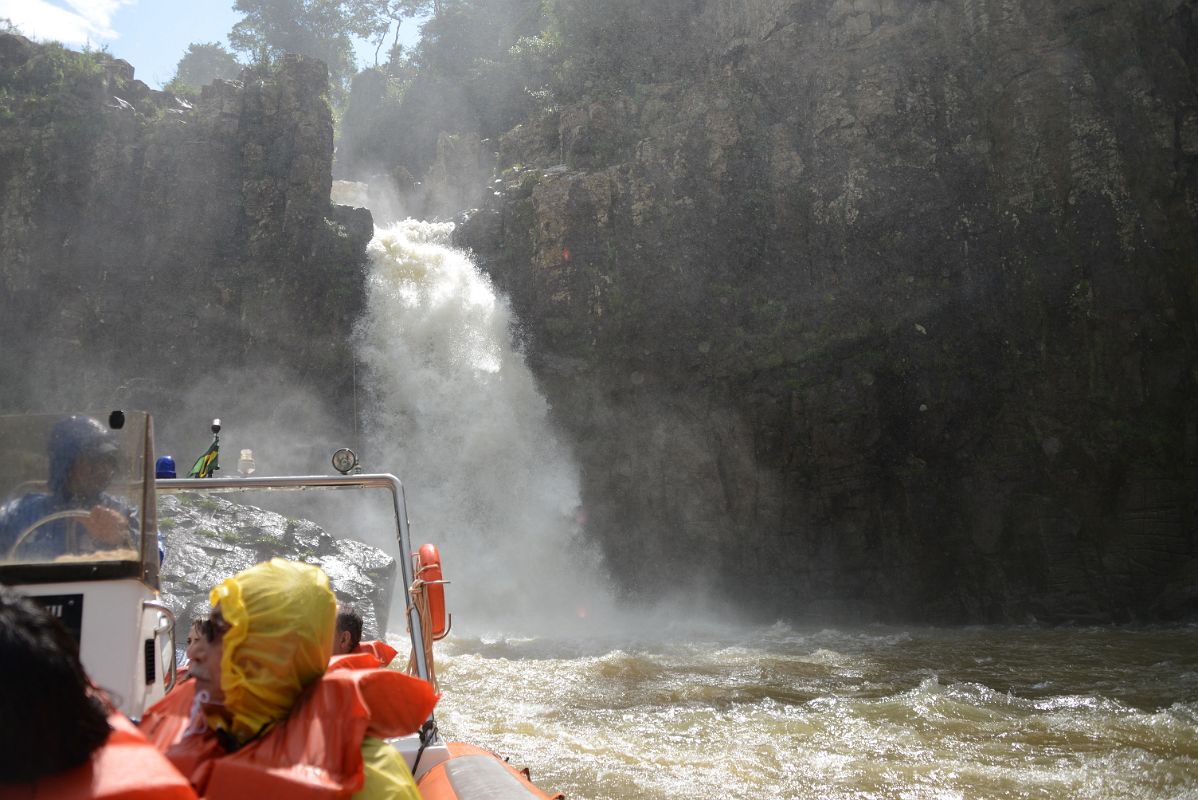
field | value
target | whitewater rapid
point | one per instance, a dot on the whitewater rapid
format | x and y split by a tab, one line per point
780	712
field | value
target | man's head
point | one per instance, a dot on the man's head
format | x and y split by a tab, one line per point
83	457
349	629
53	718
270	635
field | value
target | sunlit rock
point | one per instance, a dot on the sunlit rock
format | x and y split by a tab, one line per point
208	538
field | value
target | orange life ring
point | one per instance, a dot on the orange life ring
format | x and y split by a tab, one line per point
429	570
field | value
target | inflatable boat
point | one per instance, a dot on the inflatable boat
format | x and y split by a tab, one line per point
108	595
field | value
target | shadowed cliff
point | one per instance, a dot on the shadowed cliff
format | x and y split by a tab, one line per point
876	308
149	248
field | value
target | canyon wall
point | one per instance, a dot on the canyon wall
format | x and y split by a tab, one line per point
149	246
885	309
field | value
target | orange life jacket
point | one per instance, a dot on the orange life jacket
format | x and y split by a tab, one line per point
125	767
316	752
379	649
164	721
367	655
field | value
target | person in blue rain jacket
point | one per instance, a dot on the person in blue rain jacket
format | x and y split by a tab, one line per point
83	458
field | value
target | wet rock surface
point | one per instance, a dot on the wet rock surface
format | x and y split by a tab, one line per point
209	538
880	309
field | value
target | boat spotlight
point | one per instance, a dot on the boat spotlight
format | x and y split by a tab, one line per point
344	460
245	464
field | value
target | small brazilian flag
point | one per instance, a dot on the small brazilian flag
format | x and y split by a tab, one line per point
208	463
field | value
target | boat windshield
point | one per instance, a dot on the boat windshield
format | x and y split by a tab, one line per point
73	497
367	507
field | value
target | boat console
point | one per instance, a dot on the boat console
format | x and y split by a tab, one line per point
78	535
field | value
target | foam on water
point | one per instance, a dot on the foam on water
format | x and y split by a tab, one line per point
677	720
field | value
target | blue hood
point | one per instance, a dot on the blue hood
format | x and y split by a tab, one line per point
71	438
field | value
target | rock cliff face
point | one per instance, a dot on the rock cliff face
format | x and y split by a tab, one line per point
863	309
887	312
146	243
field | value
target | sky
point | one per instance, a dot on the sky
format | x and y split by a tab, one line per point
152	35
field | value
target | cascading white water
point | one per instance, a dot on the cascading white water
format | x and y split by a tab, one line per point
457	414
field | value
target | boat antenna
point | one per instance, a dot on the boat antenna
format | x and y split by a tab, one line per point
357	435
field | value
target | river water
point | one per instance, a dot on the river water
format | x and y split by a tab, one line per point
876	713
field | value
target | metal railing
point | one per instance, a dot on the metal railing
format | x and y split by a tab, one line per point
384	481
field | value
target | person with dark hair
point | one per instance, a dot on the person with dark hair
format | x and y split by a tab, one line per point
349	651
83	459
349	629
38	659
60	737
195	630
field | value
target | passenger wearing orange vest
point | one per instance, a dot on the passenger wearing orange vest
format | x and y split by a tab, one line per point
60	738
348	640
367	655
349	629
264	717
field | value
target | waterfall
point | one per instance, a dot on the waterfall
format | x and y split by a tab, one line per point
457	414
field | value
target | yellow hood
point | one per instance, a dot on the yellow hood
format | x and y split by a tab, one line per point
281	616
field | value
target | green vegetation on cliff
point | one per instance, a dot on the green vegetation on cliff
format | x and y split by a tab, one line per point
200	66
477	72
484	66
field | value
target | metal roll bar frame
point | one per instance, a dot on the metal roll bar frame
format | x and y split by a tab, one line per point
299	483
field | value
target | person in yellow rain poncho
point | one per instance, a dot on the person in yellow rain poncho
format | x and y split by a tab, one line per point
262	718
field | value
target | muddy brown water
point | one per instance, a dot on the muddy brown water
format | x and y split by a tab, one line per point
877	713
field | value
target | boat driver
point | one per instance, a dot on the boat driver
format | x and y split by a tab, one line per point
83	459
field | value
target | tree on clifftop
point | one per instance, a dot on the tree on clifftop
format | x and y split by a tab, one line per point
397	11
324	29
201	65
